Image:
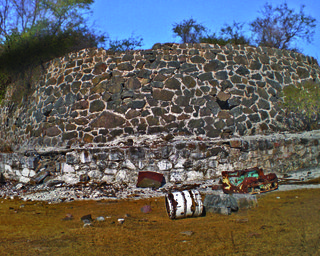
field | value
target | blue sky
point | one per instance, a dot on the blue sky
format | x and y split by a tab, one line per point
153	20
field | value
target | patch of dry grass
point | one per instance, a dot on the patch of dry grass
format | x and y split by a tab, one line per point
284	223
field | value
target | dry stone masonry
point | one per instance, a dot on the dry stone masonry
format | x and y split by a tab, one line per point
188	111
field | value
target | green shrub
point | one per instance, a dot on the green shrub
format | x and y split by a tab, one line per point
22	53
303	99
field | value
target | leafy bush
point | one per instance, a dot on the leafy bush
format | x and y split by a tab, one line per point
303	100
125	44
22	53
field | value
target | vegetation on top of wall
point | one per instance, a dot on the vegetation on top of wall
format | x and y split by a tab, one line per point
303	99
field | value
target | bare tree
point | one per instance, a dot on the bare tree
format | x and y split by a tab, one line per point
189	31
278	27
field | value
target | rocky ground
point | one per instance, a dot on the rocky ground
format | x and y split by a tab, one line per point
60	192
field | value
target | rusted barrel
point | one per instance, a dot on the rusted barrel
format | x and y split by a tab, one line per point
182	204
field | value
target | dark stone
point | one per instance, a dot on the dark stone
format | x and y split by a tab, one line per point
213	133
255	65
220	125
221	75
303	73
158	111
182	101
240	59
99	68
132	114
75	86
156	129
51	81
189	81
188	67
196	123
264	115
206	76
128	57
222	204
164	95
114	88
279	77
70	99
248	102
223	96
205	112
224	114
137	104
108	120
176	109
173	83
84	178
133	84
113	133
197	59
254	118
242	71
53	131
129	130
157	84
225	85
214	107
264	58
126	66
58	103
167	71
214	65
87	77
198	101
274	84
236	79
264	104
169	118
152	120
174	64
144	73
96	106
262	93
81	121
69	135
127	94
145	113
256	77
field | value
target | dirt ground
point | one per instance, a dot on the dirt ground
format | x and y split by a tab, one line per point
284	223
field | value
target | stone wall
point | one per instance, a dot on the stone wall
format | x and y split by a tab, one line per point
180	160
87	102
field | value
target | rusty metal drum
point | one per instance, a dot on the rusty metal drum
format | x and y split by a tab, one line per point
183	204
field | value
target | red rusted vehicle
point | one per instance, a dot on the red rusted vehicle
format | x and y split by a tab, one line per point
250	181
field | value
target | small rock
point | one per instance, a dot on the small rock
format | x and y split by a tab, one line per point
146	209
86	218
241	220
19	186
100	219
68	217
121	221
187	233
254	234
86	225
